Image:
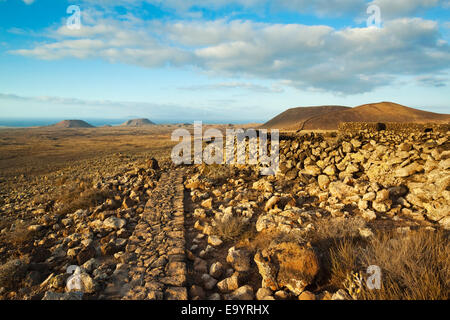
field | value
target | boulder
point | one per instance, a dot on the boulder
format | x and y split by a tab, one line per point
216	270
229	284
208	281
341	190
239	259
287	265
271	203
114	223
207	204
242	293
323	182
307	295
215	241
312	170
408	170
263	185
263	293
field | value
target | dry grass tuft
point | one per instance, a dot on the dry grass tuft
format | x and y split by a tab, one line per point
230	229
218	173
414	267
12	273
78	198
19	235
338	228
343	259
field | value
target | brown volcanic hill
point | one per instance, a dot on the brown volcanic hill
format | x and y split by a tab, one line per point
376	112
293	119
72	124
138	123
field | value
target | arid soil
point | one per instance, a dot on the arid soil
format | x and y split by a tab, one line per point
110	201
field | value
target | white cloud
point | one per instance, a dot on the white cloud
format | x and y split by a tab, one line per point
390	8
400	8
237	85
28	1
323	7
211	111
352	60
432	81
58	100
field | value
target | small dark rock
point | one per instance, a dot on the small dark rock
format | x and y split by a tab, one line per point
85	254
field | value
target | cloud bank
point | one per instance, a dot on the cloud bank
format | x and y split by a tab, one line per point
344	61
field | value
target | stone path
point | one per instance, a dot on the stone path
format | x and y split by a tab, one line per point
154	264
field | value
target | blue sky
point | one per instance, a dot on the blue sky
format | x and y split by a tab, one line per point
223	60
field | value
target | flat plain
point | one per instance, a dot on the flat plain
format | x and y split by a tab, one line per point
110	201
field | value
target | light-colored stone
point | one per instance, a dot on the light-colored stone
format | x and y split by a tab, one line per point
176	293
114	223
271	203
216	270
445	223
214	241
330	170
408	170
369	215
382	206
307	295
239	259
263	293
365	232
229	284
312	170
242	293
207	204
323	181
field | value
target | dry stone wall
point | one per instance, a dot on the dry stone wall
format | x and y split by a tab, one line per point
346	127
383	172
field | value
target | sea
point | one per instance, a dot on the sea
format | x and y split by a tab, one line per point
42	122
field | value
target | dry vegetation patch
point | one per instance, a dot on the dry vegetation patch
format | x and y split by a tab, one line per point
217	174
12	273
231	229
81	198
414	267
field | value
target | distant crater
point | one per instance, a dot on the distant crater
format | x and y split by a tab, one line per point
138	123
72	124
